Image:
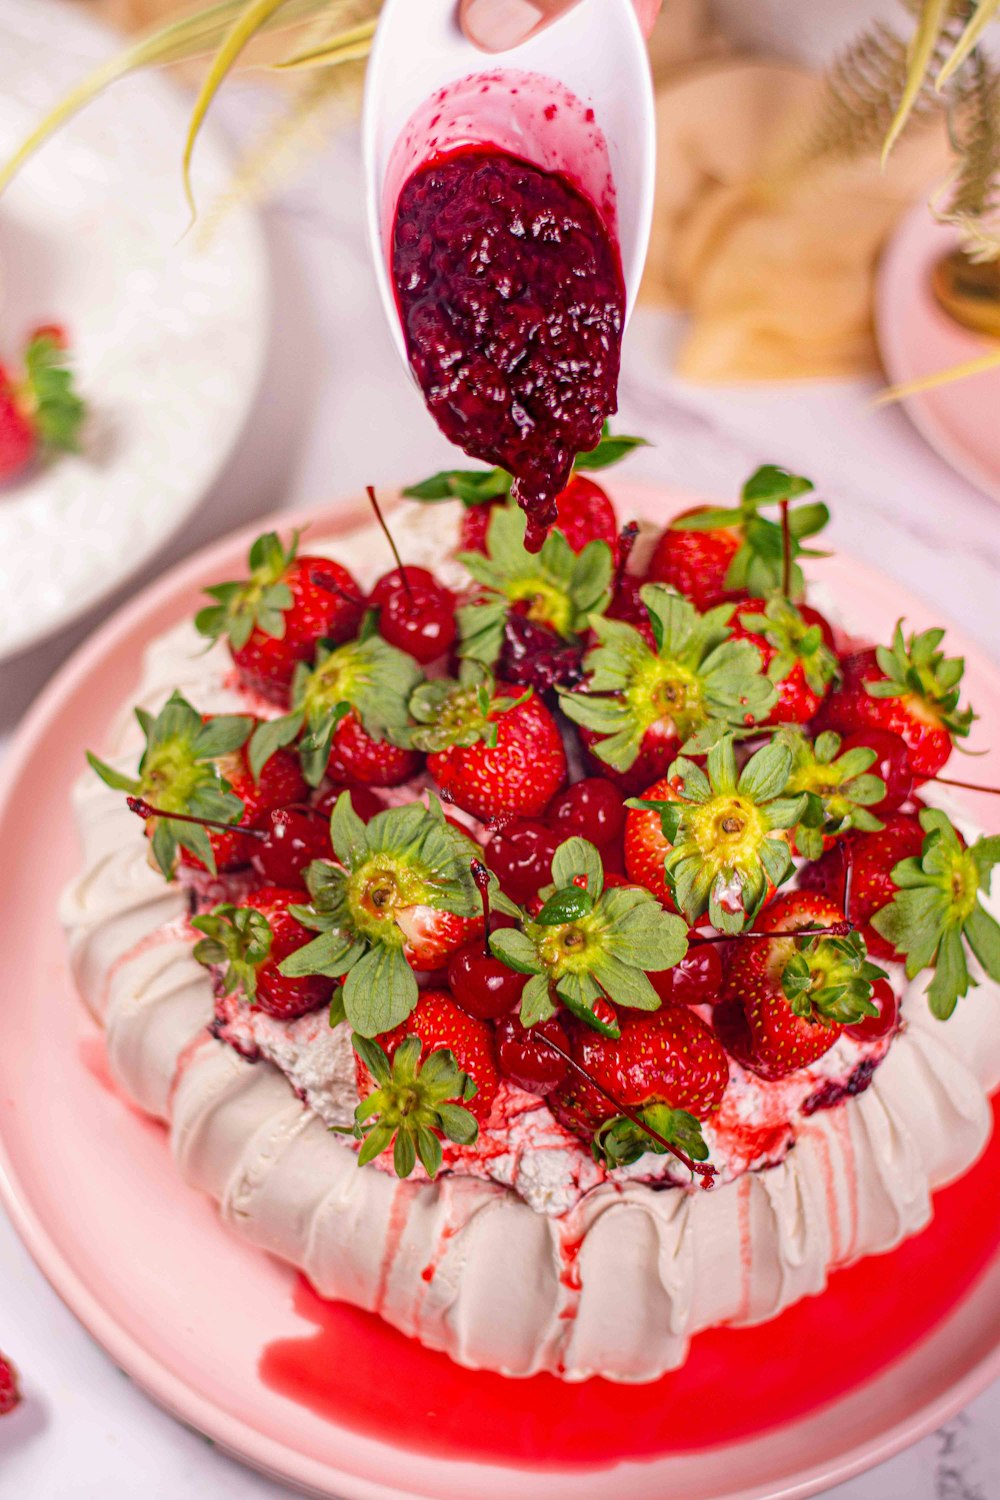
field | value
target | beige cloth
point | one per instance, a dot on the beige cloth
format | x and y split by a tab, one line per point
776	271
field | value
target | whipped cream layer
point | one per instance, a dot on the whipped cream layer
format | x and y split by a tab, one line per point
526	1255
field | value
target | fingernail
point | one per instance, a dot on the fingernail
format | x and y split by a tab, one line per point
497	25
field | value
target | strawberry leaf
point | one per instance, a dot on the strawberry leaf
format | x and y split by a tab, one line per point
916	666
696	676
237	941
256	603
412	1106
620	1142
56	409
936	913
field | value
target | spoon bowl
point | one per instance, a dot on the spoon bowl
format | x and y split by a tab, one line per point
575	99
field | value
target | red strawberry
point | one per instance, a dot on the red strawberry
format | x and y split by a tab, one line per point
660	747
872	857
668	1057
695	563
584	514
432	936
281	783
910	689
439	1023
796	647
40	409
18	440
274	619
10	1394
646	845
493	750
248	942
834	987
356	756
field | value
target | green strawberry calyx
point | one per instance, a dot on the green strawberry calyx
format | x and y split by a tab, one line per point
696	677
796	643
828	979
480	486
917	668
936	917
461	713
758	566
839	789
727	831
255	603
367	678
49	395
620	1141
404	858
182	771
589	946
556	587
237	940
412	1106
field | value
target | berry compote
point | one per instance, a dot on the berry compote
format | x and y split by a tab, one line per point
512	302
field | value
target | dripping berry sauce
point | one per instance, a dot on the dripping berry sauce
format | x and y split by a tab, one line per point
511	297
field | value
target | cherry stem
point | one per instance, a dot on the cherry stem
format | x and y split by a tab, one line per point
626	541
481	876
836	929
704	1170
326	581
144	810
380	518
786	551
967	786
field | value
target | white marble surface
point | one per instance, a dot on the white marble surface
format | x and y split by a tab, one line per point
335	412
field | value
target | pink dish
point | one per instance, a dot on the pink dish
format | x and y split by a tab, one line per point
916	338
210	1327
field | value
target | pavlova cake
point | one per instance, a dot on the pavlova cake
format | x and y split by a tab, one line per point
556	953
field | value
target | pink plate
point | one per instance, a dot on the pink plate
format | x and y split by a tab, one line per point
917	339
213	1329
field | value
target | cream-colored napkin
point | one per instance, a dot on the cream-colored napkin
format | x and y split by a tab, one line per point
775	268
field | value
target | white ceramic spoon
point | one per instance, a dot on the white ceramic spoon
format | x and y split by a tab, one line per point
591	119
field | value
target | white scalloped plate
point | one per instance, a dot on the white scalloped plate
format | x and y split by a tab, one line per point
168	337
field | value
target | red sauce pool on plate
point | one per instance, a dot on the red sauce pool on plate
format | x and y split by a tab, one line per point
354	1369
512	302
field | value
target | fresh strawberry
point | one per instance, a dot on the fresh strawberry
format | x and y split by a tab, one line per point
721	553
909	688
694	562
359	757
349	715
440	1024
432	936
796	648
584	513
248	942
684	676
493	751
872	858
18	439
400	895
798	996
180	771
280	783
646	845
10	1394
667	1067
275	618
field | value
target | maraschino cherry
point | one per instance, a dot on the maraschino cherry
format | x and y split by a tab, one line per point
593	809
521	858
871	1028
527	1057
289	841
416	613
696	980
480	983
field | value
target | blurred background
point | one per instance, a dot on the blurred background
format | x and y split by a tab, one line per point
244	367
